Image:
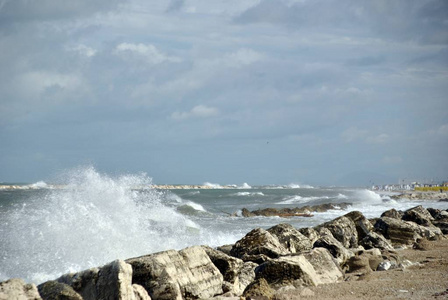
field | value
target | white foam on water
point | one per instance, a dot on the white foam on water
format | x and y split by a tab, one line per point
248	194
194	205
95	220
299	186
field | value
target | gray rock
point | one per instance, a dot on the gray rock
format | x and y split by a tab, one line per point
392	213
259	289
384	266
111	281
291	238
16	288
362	224
326	267
53	290
236	273
344	230
398	231
310	233
418	215
375	240
256	244
335	247
185	274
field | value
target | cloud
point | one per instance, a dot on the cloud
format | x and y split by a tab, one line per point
84	50
353	133
245	56
378	139
392	160
200	111
175	5
148	52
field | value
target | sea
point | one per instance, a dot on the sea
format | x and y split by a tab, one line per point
86	218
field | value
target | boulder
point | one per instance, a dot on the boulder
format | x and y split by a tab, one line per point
112	281
259	289
358	264
438	214
442	225
398	231
375	240
344	230
325	266
418	215
53	290
185	274
291	238
258	246
310	233
392	213
362	224
288	270
237	274
335	247
16	288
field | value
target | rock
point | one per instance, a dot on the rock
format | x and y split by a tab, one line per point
310	233
16	288
256	244
53	290
246	276
438	214
344	230
442	225
236	273
418	215
336	248
228	266
362	224
398	231
112	281
225	248
392	213
422	244
140	293
325	266
259	289
375	240
358	264
291	238
246	213
185	274
304	211
384	266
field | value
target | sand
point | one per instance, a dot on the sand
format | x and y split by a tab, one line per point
428	280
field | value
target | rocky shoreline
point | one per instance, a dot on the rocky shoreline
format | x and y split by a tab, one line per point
279	263
418	195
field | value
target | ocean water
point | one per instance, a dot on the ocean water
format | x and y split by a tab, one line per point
46	231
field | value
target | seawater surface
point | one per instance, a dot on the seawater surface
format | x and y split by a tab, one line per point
97	218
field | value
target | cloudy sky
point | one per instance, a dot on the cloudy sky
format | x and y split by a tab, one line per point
226	91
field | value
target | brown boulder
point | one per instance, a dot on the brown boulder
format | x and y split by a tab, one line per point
291	238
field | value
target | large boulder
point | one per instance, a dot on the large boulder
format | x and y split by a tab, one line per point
418	215
335	247
288	270
53	290
185	274
375	240
16	288
362	224
291	238
326	267
310	269
344	230
405	232
259	289
237	274
392	213
112	281
258	245
310	233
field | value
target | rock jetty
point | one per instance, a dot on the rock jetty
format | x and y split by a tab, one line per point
304	211
281	262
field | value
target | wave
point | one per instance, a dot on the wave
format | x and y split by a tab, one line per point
248	194
97	220
299	186
213	185
300	199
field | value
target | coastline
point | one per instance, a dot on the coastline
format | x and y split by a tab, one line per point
350	257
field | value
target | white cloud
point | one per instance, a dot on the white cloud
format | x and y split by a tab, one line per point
84	50
379	139
149	52
353	133
37	81
443	130
200	111
245	56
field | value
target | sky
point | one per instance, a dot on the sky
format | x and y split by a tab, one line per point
327	92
